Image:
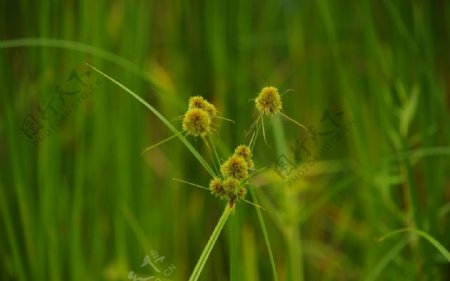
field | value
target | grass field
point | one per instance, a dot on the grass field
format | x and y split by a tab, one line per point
367	199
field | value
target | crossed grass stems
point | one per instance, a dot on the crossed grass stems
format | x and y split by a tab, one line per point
231	179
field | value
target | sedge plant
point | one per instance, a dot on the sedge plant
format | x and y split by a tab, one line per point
233	181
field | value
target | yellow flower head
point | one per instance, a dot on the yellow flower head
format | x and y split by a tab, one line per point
235	167
245	152
240	193
197	122
200	103
234	190
217	188
268	101
230	185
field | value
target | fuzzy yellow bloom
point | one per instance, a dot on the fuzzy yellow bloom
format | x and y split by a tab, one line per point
245	152
217	188
201	103
240	193
268	101
197	122
235	167
230	185
234	190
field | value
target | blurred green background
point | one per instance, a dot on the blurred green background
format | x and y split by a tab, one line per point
83	204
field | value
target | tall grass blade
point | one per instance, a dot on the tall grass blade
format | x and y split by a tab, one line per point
424	235
164	120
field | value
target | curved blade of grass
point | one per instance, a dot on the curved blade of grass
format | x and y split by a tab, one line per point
190	183
164	120
424	235
87	49
211	242
373	275
295	122
71	45
159	143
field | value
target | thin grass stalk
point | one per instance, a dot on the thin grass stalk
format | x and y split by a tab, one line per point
266	236
211	242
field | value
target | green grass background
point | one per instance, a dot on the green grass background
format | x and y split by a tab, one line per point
85	205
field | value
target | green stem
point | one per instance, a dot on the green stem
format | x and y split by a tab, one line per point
266	236
295	253
211	242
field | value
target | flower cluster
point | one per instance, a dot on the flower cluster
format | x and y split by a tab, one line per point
233	180
231	184
197	120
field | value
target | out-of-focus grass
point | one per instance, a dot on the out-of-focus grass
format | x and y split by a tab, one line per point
86	205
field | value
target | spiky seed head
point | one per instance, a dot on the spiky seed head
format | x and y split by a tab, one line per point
235	167
211	109
197	122
216	187
241	192
250	164
201	103
268	101
245	152
234	189
230	185
196	102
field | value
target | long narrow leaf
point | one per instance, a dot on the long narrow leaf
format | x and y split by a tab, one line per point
424	235
164	120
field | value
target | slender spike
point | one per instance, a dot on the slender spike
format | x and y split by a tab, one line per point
190	183
214	148
263	130
178	118
287	91
292	120
257	172
251	203
254	125
250	144
161	142
251	175
256	133
266	237
210	154
226	119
